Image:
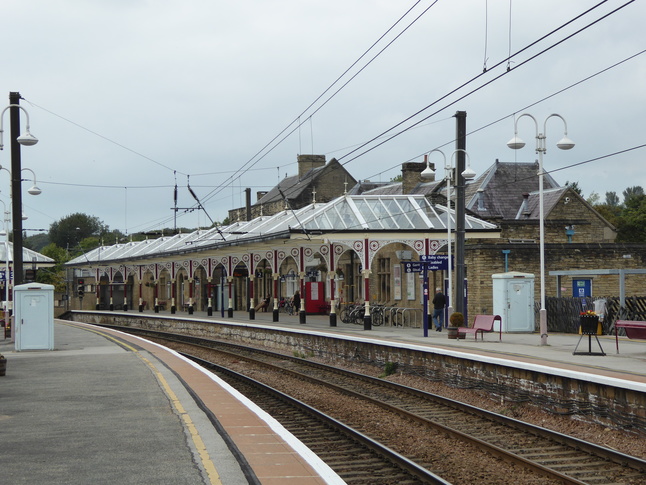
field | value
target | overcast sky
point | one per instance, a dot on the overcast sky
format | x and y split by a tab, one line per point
129	97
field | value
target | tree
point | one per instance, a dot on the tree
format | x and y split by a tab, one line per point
612	200
574	186
36	242
56	274
593	199
69	231
631	192
632	225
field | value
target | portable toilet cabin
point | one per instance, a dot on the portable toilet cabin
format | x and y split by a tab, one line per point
513	300
34	316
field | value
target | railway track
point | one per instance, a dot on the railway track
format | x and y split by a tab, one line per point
547	453
353	456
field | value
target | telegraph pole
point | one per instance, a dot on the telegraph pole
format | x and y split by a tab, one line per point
461	146
16	188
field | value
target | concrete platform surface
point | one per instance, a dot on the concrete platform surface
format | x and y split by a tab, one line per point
107	408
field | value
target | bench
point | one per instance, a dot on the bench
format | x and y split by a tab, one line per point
633	328
482	324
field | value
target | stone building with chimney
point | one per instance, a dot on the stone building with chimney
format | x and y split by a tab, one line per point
316	181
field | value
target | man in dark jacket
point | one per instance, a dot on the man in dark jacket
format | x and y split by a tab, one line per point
439	301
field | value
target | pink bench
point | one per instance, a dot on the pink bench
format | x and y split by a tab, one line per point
482	324
634	329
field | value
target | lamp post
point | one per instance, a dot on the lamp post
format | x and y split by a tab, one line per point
16	192
9	283
467	174
7	279
564	144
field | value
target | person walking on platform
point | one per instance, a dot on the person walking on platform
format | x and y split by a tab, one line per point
297	301
439	301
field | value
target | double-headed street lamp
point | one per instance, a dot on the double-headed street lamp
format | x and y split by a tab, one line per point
27	139
564	144
467	174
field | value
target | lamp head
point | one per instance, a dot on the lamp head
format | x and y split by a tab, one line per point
35	190
516	143
565	143
27	139
428	173
468	174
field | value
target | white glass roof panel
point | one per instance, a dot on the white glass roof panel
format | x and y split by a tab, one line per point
354	213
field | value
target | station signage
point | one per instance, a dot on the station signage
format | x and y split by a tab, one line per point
2	274
431	262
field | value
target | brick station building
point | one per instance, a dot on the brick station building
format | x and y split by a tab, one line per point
338	243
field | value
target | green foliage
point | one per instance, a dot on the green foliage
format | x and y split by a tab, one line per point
36	242
632	225
56	274
389	369
456	319
574	186
593	199
302	355
631	193
630	217
397	178
69	231
610	213
612	200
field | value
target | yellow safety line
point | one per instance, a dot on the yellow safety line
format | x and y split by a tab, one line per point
209	467
211	471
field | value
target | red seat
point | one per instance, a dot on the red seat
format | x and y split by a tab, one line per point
634	329
482	324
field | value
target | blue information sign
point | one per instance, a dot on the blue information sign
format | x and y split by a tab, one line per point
2	274
432	262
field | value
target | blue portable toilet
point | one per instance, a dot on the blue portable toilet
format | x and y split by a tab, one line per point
34	316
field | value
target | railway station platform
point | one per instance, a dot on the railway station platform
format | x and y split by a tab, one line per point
629	364
106	407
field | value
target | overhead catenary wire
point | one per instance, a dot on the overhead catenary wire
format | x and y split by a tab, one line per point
245	167
473	79
534	103
298	122
121	186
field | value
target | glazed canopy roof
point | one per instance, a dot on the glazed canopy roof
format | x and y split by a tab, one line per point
359	213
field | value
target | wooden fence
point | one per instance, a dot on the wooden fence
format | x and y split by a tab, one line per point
563	313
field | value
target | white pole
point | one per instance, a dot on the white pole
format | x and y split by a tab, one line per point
543	312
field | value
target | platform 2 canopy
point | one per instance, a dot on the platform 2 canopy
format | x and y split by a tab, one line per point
374	214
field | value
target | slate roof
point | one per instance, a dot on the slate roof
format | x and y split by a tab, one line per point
530	209
292	187
498	193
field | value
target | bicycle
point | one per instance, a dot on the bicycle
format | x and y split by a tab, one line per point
286	305
377	314
352	313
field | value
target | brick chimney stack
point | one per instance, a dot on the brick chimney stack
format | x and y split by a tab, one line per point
308	162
